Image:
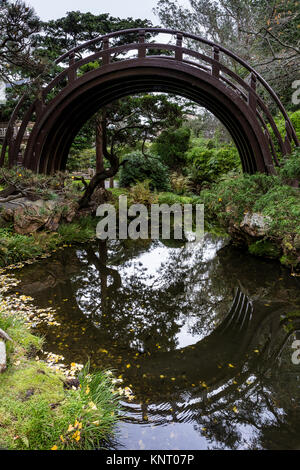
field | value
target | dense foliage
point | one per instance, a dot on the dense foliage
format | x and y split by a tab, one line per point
18	27
171	146
268	195
209	164
265	33
140	168
280	123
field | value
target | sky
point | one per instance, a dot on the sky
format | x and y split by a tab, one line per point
52	9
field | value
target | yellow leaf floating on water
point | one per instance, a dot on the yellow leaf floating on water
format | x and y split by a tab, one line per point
230	365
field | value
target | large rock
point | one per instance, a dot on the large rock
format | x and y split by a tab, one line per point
256	225
253	227
29	216
34	215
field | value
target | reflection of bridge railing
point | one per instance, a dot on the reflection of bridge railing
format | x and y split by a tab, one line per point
251	89
194	400
239	315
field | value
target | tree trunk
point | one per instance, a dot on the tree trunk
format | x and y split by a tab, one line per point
95	182
99	147
100	177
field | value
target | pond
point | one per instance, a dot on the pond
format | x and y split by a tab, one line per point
203	335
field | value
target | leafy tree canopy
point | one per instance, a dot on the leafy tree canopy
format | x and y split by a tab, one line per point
266	33
75	28
18	28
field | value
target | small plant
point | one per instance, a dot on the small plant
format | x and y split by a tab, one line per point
142	194
180	183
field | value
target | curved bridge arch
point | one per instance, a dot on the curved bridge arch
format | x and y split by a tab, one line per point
73	97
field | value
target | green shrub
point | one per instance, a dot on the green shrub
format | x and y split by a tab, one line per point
211	163
291	166
180	183
280	123
200	142
81	160
78	232
142	194
260	193
171	198
172	145
140	168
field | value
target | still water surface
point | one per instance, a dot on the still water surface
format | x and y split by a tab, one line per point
159	315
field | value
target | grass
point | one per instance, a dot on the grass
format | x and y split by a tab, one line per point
37	412
16	248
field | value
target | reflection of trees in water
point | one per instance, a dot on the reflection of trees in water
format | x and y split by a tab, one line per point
269	405
126	310
261	278
260	400
187	285
154	307
133	313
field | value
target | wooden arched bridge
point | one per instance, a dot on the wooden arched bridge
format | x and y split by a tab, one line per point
128	62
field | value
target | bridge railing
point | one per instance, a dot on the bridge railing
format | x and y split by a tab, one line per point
212	58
